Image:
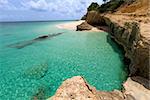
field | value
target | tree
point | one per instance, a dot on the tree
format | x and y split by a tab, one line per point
93	6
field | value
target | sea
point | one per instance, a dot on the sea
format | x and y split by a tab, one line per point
36	57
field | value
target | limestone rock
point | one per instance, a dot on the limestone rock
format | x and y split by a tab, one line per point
136	47
135	91
76	88
94	18
132	35
84	26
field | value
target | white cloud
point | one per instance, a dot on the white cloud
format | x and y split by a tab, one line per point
54	8
6	5
2	2
60	6
39	5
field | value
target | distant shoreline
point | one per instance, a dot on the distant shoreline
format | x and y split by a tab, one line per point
73	25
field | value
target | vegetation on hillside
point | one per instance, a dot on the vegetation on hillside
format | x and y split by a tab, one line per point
94	6
110	6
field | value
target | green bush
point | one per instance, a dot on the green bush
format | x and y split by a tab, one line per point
94	6
110	6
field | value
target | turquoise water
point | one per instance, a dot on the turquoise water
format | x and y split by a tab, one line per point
38	69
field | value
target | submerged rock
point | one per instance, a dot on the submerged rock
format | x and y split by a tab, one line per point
23	44
36	72
47	36
84	26
43	37
41	93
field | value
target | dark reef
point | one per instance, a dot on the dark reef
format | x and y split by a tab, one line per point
23	44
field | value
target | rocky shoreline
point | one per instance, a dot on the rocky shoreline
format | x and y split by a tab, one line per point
129	35
76	88
135	40
128	25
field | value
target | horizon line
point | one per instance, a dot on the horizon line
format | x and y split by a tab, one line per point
39	20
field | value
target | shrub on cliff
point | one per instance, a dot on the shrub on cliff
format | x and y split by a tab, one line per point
110	6
94	6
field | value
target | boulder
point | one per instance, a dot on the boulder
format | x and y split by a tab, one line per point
94	18
76	88
84	26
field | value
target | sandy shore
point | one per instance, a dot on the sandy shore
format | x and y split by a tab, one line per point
73	25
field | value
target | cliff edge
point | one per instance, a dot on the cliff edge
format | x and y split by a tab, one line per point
128	23
130	30
76	88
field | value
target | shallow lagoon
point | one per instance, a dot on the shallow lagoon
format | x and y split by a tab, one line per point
39	69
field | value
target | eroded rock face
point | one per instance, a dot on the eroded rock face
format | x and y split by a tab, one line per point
132	36
135	91
84	26
94	18
76	88
137	50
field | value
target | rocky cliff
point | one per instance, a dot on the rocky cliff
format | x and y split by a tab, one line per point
139	7
76	88
129	27
133	35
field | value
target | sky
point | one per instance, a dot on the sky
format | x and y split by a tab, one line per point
38	10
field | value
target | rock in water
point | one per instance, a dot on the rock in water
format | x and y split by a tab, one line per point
41	93
23	44
84	26
76	88
42	37
37	72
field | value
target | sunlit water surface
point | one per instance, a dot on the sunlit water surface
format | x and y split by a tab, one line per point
39	68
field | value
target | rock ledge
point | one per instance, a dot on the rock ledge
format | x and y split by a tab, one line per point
76	88
84	26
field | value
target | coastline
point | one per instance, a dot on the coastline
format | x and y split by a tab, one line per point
131	89
72	26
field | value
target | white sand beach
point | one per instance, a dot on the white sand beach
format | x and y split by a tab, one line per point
73	25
